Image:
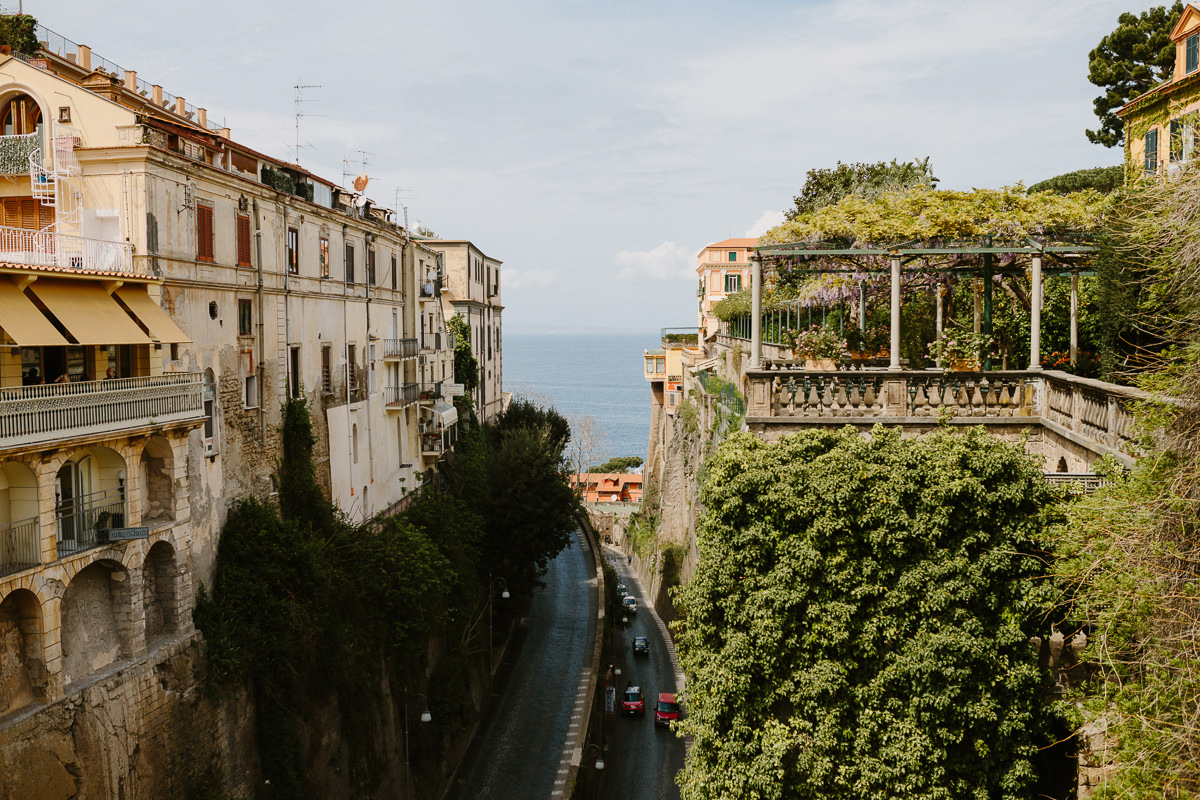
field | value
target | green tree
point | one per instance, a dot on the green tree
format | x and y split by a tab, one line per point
824	186
466	366
19	31
1129	62
858	624
1103	179
618	464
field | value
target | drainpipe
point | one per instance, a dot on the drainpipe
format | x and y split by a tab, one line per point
287	312
258	368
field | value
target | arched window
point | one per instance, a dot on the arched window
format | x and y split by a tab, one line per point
210	410
21	114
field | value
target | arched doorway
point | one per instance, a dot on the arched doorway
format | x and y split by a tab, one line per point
89	498
22	676
160	592
95	620
157	471
20	114
20	535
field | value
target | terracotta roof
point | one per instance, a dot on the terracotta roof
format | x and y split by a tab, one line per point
735	243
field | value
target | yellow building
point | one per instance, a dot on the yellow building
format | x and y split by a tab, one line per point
724	269
1161	126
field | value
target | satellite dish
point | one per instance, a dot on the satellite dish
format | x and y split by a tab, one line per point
360	183
361	200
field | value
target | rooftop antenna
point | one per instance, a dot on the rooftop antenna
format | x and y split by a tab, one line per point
299	100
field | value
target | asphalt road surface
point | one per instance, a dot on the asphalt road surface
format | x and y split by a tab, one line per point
520	752
643	758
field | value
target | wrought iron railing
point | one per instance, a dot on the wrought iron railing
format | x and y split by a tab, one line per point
20	546
431	391
399	396
400	348
684	336
44	248
84	522
729	396
16	150
31	414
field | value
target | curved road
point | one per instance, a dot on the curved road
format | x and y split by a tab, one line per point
522	751
643	758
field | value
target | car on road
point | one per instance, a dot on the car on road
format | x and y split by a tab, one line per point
666	710
641	646
621	590
630	605
633	702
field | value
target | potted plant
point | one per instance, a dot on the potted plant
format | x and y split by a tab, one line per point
961	351
820	347
868	343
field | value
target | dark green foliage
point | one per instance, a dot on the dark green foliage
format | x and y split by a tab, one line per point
858	625
19	31
300	498
1103	179
618	464
824	187
1129	62
466	366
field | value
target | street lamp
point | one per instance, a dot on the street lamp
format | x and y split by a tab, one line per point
425	717
599	755
492	583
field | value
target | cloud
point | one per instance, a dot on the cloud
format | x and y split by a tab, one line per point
526	278
764	223
668	262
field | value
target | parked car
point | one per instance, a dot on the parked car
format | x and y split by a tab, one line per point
621	590
641	646
633	702
666	710
630	605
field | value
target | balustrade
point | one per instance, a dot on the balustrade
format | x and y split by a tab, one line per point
44	413
47	249
400	396
400	348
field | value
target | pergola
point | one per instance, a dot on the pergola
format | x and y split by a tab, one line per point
985	256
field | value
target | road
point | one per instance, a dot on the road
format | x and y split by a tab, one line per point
520	752
643	759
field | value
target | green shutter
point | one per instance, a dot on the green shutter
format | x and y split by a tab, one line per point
1193	52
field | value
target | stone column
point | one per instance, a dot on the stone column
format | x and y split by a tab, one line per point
756	278
940	314
1074	316
1035	313
895	328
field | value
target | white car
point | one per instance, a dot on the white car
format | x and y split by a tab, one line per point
630	604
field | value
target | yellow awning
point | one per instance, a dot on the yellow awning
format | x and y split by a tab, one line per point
23	322
87	312
151	314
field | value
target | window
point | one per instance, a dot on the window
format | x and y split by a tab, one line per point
1184	140
245	318
351	377
210	400
326	369
394	284
733	282
294	372
733	255
293	251
250	392
371	266
1193	53
371	368
349	263
1152	151
323	256
243	240
204	233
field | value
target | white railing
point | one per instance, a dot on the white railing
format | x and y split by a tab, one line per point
43	248
46	413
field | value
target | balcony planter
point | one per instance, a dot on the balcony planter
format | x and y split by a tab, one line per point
820	363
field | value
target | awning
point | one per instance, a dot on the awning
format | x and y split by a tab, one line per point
445	413
151	314
88	313
23	322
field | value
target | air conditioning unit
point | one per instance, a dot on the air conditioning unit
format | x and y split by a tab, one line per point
420	361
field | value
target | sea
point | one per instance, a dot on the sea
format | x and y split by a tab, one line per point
587	375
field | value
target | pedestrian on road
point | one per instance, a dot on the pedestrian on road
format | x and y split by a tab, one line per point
630	560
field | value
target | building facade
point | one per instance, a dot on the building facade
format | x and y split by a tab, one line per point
724	269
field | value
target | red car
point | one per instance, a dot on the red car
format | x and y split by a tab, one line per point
667	709
633	702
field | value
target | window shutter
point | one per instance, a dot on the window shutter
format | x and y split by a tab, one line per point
243	241
1193	53
204	233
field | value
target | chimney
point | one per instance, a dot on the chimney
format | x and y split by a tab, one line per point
83	57
131	80
103	84
156	95
202	117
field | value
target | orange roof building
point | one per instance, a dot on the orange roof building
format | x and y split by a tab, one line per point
608	487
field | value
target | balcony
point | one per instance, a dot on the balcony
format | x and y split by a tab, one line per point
42	415
431	393
20	546
46	249
399	349
400	396
84	522
16	150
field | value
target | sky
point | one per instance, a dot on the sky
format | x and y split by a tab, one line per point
596	147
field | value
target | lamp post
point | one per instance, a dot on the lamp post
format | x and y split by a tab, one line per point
599	755
425	717
492	583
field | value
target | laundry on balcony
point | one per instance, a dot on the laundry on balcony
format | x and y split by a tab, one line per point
87	312
23	322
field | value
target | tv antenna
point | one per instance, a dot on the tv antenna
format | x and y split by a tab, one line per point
299	88
364	161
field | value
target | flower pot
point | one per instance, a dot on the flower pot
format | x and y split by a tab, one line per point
820	363
964	365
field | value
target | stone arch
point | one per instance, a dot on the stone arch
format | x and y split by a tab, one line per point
20	537
160	592
21	111
96	620
157	472
22	672
89	497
